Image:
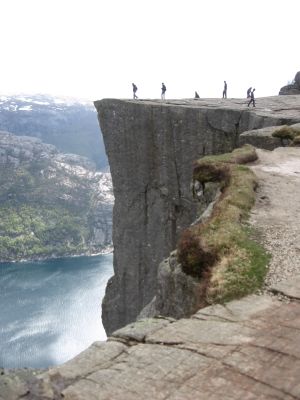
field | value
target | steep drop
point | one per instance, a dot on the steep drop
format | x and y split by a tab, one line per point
151	146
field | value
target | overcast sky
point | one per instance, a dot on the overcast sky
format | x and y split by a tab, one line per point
97	48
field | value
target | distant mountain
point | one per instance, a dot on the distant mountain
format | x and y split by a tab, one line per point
69	124
51	204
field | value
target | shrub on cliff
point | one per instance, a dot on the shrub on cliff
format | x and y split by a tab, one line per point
296	141
289	133
285	132
223	244
193	255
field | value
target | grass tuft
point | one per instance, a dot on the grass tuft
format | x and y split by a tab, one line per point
288	133
223	245
194	257
285	132
296	141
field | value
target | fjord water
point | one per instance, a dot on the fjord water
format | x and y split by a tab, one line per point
51	310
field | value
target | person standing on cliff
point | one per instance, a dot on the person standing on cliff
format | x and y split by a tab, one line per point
134	88
252	99
249	92
225	90
163	91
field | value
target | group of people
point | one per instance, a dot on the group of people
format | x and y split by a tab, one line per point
250	93
163	91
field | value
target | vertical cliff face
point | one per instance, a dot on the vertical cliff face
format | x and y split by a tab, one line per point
151	147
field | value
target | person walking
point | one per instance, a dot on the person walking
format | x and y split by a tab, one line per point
248	92
163	91
225	90
134	89
252	99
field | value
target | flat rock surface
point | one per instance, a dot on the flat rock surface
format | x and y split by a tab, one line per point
276	215
247	349
287	106
289	287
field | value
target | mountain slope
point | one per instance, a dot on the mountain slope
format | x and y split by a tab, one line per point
70	125
51	204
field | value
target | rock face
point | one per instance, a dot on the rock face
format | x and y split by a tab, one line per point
293	88
151	146
51	204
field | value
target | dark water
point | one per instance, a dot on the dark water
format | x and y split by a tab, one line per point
51	310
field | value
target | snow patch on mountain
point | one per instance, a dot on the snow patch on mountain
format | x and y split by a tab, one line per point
16	102
70	124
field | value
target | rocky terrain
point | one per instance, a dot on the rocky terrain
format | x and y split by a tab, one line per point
246	348
151	146
276	213
51	204
293	88
69	124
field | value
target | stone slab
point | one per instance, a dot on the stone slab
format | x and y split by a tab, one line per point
139	330
289	287
238	310
246	349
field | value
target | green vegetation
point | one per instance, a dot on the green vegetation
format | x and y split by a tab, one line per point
288	133
28	231
43	215
222	248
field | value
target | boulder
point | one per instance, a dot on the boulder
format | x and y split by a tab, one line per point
293	88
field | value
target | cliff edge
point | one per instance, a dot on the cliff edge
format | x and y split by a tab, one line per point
247	348
151	146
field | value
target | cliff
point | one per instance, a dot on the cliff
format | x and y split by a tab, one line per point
151	146
51	204
246	348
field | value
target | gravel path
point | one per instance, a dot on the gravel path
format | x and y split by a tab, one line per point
276	213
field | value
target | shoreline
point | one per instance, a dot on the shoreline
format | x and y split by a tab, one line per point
107	250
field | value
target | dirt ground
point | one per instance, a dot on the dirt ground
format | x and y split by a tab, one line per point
276	213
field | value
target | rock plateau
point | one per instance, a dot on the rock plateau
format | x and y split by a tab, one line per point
151	146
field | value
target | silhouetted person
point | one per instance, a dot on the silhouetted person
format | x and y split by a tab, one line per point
134	88
252	99
197	95
249	92
225	90
163	91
